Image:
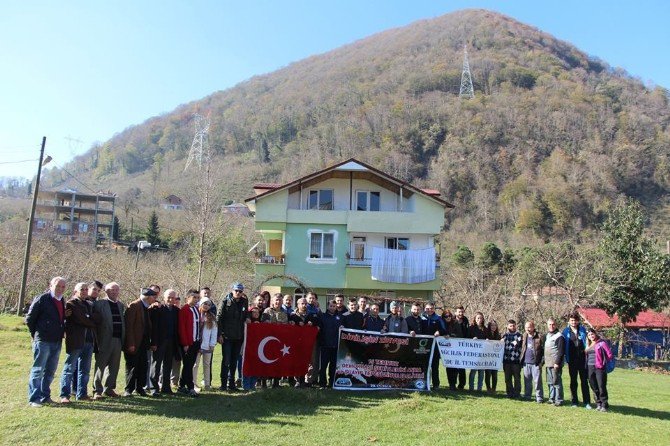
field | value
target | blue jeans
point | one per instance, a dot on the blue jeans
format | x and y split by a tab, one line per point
555	382
480	379
77	368
249	382
45	362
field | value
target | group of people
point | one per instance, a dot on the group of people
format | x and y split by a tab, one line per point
164	342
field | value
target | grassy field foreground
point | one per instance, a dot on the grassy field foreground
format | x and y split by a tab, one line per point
640	414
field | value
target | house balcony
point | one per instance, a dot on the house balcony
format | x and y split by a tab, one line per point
367	221
359	276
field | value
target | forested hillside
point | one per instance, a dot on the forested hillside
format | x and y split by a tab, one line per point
552	135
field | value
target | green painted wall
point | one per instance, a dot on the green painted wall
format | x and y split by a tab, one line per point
313	274
272	207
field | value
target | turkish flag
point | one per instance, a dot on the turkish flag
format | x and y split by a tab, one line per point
276	350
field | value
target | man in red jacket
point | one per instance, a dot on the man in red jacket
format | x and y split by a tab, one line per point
189	339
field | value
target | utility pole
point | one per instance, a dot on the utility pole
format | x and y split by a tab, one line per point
31	223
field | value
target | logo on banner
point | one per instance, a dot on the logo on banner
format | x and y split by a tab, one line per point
497	347
343	382
420	384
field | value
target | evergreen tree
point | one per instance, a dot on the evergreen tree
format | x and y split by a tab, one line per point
463	256
116	228
153	231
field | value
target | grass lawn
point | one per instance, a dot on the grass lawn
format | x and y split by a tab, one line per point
640	414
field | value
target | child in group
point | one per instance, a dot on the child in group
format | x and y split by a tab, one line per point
597	354
208	336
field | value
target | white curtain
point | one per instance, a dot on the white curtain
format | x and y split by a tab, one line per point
403	266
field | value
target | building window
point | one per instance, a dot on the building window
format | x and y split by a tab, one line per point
299	293
321	199
397	243
385	305
321	246
367	201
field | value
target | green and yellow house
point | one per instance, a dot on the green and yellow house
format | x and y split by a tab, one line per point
349	229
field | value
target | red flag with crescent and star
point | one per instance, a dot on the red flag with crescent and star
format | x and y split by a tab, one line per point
276	350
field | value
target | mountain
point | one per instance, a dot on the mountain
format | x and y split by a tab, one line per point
550	138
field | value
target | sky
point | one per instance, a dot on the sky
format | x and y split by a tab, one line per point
79	71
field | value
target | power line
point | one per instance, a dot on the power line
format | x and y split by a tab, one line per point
18	162
76	179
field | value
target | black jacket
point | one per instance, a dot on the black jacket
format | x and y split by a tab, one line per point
231	317
415	324
329	333
304	319
44	321
352	320
373	323
460	329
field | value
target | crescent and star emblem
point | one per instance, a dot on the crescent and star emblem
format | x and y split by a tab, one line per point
261	349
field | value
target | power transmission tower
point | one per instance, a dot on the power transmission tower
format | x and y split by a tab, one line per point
467	91
200	145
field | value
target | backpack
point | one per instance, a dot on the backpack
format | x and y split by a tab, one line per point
610	364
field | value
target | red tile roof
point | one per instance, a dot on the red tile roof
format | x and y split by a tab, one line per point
266	185
433	192
647	319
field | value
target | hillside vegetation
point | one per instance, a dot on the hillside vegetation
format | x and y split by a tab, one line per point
552	136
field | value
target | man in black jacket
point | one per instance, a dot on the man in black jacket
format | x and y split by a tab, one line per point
164	322
231	317
46	323
353	318
459	329
329	338
79	327
415	324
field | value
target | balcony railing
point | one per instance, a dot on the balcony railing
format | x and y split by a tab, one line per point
271	259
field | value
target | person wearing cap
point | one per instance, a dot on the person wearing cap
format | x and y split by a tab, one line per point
138	342
231	317
395	323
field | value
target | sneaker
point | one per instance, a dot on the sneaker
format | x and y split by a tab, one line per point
588	407
223	388
574	405
127	394
539	401
557	404
197	389
598	407
155	394
192	393
48	401
65	400
603	409
550	401
183	390
98	396
141	393
112	394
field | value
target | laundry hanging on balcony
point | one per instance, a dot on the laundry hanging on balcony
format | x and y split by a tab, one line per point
403	266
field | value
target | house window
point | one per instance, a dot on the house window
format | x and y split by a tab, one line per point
385	304
299	293
321	199
397	243
367	201
321	245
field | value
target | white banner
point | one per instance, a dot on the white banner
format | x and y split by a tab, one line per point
459	353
